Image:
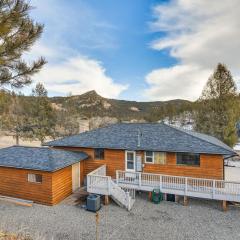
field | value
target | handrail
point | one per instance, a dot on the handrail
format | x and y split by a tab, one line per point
156	174
98	170
98	182
181	185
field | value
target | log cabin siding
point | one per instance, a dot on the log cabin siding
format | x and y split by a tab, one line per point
61	184
211	166
54	187
114	160
14	183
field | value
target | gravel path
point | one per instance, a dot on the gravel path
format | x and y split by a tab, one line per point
199	220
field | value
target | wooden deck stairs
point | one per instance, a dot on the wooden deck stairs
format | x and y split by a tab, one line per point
99	183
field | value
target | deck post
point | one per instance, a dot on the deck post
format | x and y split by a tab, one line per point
165	196
213	189
185	190
117	176
176	198
224	205
149	196
140	179
88	183
106	200
160	182
109	185
185	200
128	200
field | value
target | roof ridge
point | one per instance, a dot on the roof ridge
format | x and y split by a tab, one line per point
23	146
184	131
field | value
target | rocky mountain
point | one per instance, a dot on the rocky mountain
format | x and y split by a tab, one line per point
91	105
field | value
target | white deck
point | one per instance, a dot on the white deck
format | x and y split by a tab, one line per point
122	189
185	186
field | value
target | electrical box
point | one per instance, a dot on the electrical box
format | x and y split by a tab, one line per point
93	202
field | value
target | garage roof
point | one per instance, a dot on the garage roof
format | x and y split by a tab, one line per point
39	158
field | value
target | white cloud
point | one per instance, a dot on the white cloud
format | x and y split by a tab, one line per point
199	34
78	75
69	33
180	81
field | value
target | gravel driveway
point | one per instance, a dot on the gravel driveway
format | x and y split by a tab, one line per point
199	220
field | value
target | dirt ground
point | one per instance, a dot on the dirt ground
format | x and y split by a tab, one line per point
200	220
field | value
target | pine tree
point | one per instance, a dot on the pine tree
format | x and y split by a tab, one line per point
68	119
218	106
18	32
43	115
14	118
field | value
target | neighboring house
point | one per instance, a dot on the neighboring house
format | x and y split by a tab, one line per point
49	174
43	175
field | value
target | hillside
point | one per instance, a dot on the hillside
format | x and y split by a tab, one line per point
90	104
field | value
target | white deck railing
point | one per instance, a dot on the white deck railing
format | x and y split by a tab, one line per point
99	183
186	186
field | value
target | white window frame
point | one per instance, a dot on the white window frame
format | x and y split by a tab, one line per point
134	161
145	157
153	157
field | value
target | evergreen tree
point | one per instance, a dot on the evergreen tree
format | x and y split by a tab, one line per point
218	107
68	119
14	118
43	115
18	33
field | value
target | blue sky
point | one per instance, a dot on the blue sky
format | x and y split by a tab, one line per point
130	49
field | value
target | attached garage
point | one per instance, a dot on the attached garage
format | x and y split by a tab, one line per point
43	175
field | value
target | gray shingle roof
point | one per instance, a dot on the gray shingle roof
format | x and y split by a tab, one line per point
38	158
153	137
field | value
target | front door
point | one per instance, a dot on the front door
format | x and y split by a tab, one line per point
139	163
75	176
130	161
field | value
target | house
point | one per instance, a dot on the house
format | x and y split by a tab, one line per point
43	175
149	147
139	156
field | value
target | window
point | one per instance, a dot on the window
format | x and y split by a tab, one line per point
130	161
191	159
155	157
35	178
149	157
99	153
159	157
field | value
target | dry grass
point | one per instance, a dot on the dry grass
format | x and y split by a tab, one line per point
10	236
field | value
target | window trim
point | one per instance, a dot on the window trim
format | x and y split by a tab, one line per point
134	161
95	153
188	165
35	174
153	157
145	157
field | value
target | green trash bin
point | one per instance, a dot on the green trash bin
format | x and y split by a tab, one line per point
157	196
